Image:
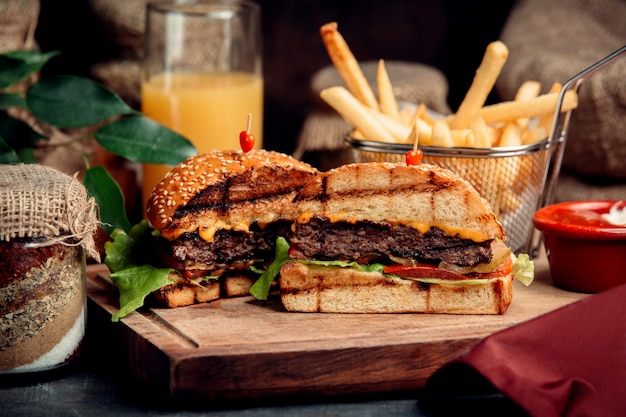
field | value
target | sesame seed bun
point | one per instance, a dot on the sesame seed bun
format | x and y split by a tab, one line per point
227	189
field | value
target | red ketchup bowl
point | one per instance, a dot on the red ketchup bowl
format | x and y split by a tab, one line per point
586	253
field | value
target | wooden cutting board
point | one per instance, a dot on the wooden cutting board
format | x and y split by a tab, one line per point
243	349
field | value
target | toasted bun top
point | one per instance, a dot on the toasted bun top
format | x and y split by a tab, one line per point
225	186
419	196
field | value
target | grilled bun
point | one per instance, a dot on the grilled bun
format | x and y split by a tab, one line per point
226	189
419	196
328	289
424	219
205	206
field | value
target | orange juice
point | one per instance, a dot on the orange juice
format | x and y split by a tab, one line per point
209	109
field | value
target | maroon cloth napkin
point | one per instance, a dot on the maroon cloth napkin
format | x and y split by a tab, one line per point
569	362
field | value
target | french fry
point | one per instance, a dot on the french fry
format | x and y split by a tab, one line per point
482	137
414	135
347	65
441	135
474	125
388	103
355	113
508	111
511	135
494	59
546	120
462	138
425	131
424	114
405	115
527	91
533	135
357	134
421	112
398	130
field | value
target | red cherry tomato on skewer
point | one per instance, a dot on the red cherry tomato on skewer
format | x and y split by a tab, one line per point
414	157
246	139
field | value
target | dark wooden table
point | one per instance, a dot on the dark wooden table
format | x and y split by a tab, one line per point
101	383
97	384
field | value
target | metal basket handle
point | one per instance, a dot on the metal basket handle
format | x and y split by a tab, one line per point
558	137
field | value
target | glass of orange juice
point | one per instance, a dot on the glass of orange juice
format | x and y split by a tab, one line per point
202	74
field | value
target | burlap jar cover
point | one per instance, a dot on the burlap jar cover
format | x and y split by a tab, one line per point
39	201
47	223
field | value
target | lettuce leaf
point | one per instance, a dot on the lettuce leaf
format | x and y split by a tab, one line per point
129	257
523	268
261	287
137	247
135	283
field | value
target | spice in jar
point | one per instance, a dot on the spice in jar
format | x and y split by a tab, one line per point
46	232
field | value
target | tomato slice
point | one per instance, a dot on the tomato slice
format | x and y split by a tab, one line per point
423	271
431	271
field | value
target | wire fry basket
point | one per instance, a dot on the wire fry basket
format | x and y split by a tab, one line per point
516	181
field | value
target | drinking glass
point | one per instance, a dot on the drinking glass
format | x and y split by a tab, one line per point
202	74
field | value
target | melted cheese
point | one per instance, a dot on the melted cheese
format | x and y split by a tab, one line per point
207	233
419	226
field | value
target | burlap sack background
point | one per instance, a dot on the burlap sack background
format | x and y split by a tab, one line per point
551	41
18	21
123	21
547	39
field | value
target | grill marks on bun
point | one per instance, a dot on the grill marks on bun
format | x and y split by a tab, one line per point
218	181
251	186
418	196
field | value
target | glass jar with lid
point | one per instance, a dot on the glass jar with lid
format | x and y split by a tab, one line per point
47	223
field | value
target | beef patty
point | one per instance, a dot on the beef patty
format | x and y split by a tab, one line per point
231	247
365	242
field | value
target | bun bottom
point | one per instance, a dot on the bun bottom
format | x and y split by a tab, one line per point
331	289
183	293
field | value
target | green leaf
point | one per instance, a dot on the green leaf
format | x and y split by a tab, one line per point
18	65
8	155
17	140
18	134
27	156
119	250
135	284
363	268
127	256
523	269
137	247
12	100
140	139
109	197
261	287
69	102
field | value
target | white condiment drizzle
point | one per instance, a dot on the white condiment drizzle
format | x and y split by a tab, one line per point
616	216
